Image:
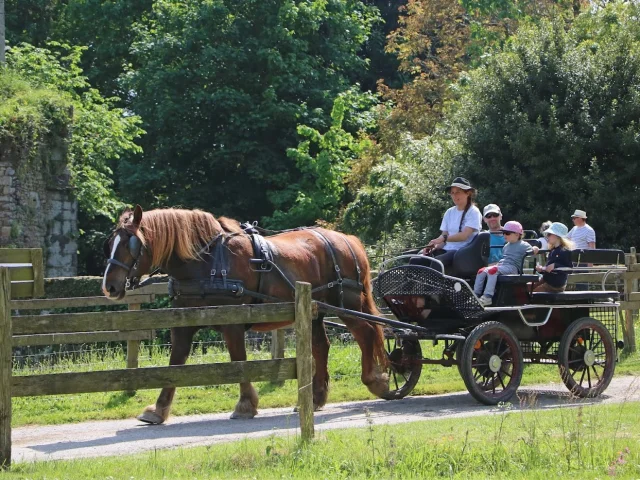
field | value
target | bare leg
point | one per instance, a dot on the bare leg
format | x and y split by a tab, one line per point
247	406
320	351
181	339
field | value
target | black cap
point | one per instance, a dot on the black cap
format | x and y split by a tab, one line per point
460	182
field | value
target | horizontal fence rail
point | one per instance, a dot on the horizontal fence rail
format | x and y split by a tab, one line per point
137	325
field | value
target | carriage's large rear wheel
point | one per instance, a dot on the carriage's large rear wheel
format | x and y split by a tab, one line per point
587	357
491	363
404	355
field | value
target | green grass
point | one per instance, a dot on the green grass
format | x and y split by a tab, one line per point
344	367
588	442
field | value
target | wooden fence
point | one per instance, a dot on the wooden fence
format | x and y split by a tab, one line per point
86	327
26	269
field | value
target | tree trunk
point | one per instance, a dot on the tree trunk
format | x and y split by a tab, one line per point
2	30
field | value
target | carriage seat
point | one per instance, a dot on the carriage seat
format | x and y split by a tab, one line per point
564	298
598	256
471	258
524	278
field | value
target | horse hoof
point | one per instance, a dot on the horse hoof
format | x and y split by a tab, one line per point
316	408
242	416
150	417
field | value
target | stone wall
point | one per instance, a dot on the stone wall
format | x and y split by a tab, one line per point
37	208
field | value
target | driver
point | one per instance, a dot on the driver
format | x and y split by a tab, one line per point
460	224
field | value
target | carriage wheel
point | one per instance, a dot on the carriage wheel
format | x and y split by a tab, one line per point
404	355
491	363
587	357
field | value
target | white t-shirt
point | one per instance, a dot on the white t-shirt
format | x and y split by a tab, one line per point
581	236
451	225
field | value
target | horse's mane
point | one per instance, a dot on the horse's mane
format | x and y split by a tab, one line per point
230	225
173	231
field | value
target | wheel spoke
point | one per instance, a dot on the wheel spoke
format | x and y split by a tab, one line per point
582	378
501	382
589	378
596	373
571	349
575	361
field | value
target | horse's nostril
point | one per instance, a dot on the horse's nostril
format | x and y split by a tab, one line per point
112	289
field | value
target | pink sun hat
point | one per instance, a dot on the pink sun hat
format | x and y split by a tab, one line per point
512	226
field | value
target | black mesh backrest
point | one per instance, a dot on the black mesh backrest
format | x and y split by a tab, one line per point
598	256
529	234
469	259
426	261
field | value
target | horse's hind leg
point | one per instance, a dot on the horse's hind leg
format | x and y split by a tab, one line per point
371	341
181	339
247	406
320	351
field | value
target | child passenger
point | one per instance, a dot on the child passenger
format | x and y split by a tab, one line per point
559	256
513	254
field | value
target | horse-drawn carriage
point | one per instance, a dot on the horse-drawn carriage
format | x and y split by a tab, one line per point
577	330
217	261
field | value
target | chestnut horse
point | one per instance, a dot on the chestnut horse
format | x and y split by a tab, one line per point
186	244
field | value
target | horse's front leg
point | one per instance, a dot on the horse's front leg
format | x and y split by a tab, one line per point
247	406
181	338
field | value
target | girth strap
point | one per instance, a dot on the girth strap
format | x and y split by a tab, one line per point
336	267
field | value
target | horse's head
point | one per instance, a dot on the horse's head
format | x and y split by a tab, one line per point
128	258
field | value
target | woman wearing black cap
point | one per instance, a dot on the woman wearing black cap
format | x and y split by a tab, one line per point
460	223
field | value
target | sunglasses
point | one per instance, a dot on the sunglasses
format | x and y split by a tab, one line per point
509	233
491	215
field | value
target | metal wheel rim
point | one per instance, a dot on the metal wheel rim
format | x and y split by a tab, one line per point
502	352
587	358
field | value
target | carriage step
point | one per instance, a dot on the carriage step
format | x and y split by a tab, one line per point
450	337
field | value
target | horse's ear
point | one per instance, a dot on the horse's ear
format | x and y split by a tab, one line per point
137	215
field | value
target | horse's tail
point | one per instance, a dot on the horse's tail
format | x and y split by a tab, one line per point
369	306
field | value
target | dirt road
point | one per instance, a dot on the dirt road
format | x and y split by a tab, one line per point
121	437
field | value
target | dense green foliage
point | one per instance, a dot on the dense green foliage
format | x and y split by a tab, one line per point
264	109
223	85
551	124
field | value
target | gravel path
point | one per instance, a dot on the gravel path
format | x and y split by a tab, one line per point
120	437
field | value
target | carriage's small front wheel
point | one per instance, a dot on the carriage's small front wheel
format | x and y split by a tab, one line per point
491	363
587	357
404	356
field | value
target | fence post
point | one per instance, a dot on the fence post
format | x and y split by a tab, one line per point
37	264
277	344
5	369
304	359
628	330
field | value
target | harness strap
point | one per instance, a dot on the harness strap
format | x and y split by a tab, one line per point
355	259
335	264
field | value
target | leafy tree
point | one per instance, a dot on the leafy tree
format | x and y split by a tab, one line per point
403	202
551	123
222	86
32	21
324	161
100	134
439	39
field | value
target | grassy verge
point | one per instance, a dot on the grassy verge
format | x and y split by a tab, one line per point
344	367
588	442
